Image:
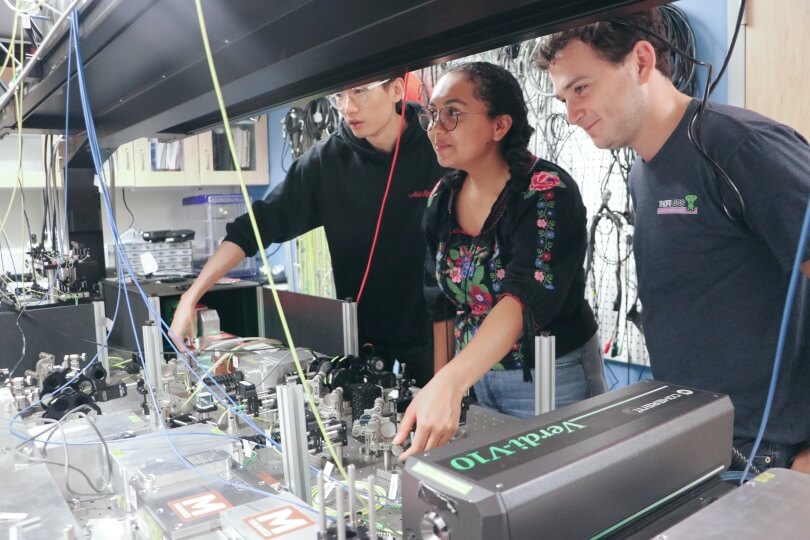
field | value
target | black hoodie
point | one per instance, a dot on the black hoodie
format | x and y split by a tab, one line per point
339	184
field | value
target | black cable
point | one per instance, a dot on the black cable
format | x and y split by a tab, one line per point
54	197
131	215
22	353
318	118
293	130
31	235
693	130
285	151
45	193
730	48
679	33
275	250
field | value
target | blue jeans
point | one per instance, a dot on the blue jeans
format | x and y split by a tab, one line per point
579	374
768	454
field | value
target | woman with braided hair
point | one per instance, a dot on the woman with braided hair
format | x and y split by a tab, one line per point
506	236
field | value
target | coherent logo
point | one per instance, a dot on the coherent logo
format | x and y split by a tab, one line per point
660	401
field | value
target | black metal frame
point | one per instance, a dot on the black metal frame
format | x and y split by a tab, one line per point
148	75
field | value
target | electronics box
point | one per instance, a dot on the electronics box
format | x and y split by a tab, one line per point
171	257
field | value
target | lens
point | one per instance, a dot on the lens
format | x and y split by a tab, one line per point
448	117
425	119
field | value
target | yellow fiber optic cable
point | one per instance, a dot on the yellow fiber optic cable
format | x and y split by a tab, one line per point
282	317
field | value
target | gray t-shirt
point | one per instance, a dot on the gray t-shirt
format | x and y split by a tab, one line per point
713	290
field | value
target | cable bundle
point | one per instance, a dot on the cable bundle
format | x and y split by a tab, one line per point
680	34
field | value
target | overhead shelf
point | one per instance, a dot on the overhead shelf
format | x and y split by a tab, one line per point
148	75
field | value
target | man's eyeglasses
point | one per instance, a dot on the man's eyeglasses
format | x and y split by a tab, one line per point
357	95
447	117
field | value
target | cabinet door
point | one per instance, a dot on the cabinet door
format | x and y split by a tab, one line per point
30	169
124	165
777	72
216	165
159	164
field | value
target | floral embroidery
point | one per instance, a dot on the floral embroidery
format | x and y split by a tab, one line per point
481	300
471	276
545	182
542	181
471	271
496	271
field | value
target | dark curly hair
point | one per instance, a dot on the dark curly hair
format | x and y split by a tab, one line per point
612	39
502	94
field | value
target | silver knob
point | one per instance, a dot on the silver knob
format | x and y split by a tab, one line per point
433	527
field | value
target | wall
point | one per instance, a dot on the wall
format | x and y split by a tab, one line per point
279	161
16	232
708	19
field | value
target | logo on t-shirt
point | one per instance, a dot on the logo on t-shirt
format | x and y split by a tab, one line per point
678	206
424	194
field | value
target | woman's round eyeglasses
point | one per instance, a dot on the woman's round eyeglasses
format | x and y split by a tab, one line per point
446	116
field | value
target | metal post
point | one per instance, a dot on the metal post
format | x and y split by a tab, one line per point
372	509
351	472
341	520
351	341
101	332
321	505
544	365
152	361
295	456
260	311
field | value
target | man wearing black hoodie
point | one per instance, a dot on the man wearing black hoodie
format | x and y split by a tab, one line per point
339	184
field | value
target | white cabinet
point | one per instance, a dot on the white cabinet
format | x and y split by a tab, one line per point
124	165
197	160
250	139
164	164
22	156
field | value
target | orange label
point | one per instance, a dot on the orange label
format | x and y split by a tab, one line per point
198	506
278	522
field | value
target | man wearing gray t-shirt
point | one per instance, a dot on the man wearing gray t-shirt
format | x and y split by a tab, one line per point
714	243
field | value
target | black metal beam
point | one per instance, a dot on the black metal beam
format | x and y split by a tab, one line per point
147	72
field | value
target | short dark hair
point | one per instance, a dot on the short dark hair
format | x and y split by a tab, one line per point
612	39
502	94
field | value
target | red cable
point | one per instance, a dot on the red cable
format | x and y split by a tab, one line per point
385	195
